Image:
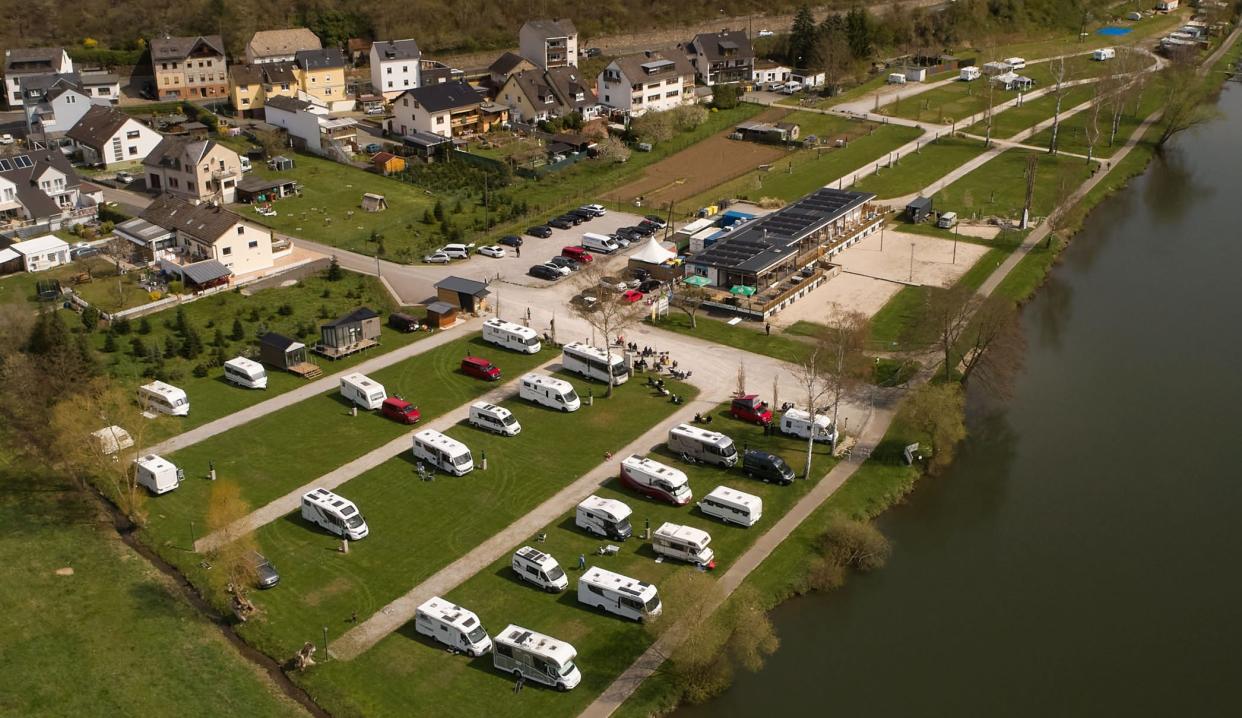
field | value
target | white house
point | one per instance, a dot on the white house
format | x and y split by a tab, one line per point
107	136
311	128
650	81
766	72
28	62
53	104
449	109
549	43
209	233
395	66
41	187
42	253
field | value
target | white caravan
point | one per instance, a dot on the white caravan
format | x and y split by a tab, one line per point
444	453
732	506
536	657
593	363
112	439
969	73
709	447
362	390
619	595
158	474
599	243
534	566
495	419
335	513
1016	63
164	398
608	518
684	543
651	478
549	391
246	373
452	625
796	422
1104	53
511	336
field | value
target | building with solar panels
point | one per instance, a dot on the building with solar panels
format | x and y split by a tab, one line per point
41	192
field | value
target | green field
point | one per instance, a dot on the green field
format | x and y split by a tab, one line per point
998	187
945	105
380	681
102	291
921	169
1072	136
1014	120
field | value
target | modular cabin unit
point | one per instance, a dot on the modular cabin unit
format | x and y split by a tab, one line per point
916	74
550	392
732	506
651	478
599	243
446	454
919	209
336	514
452	625
523	653
1104	53
246	373
619	595
608	518
595	363
796	422
511	336
534	566
112	439
163	398
969	73
363	391
684	543
354	332
709	447
157	474
495	419
281	352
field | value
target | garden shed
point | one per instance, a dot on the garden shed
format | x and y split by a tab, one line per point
281	352
372	202
467	294
280	163
441	315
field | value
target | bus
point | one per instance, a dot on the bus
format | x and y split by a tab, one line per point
592	363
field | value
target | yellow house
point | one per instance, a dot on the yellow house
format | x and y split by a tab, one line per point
251	86
321	75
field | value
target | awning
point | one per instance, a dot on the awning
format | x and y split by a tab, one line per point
742	290
204	272
697	280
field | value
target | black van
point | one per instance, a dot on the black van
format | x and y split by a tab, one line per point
766	467
403	322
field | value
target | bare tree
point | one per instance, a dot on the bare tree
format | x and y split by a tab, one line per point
1092	130
843	343
689	299
991	90
1059	75
609	315
812	380
741	378
1186	102
950	310
996	347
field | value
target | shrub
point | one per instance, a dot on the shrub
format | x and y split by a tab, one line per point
137	348
725	97
90	318
200	370
122	326
109	344
144	326
285	310
688	117
176	286
238	332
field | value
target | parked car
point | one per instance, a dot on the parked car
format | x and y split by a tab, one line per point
565	262
560	223
645	228
613	283
751	408
80	252
492	250
124	177
647	286
766	33
480	368
542	230
563	271
373	148
768	468
594	52
623	239
456	251
585	215
437	258
544	271
7	139
630	233
584	300
266	575
656	220
400	410
578	254
631	296
643	146
597	209
510	240
572	218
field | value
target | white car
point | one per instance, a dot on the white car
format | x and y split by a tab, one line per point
493	250
597	209
437	258
456	251
6	139
563	271
766	33
124	177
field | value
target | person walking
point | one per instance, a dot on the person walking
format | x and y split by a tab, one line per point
767	328
581	561
518	252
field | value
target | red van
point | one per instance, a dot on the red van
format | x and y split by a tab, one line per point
578	254
400	410
751	408
480	368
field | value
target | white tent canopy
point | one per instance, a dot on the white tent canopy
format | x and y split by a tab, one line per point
653	253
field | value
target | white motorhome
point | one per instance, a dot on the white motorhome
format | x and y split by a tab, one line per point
362	390
947	220
246	373
534	566
709	447
593	363
1104	53
684	543
1015	63
732	506
608	518
796	422
550	392
164	398
969	73
158	474
599	243
536	657
511	336
444	453
619	595
896	78
452	625
495	419
335	513
651	478
112	439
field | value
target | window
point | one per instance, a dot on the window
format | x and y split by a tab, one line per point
254	244
226	251
673	93
133	150
132	135
440	120
241	229
388	70
390	83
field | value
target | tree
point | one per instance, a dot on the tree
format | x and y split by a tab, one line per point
137	348
803	36
609	316
843	344
613	149
853	544
689	298
833	51
950	310
996	347
239	332
233	569
1186	102
725	97
652	127
938	410
273	142
1092	130
741	379
811	377
144	326
109	345
858	30
335	274
438	211
90	319
1059	75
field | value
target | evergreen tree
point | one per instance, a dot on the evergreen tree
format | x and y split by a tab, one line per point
427	218
109	344
438	211
180	324
802	37
90	318
239	332
219	339
170	348
49	335
334	275
858	29
137	348
193	344
144	326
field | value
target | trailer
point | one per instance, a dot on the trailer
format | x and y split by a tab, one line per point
607	518
1103	53
452	625
651	478
335	513
158	474
246	373
525	654
619	595
684	543
163	398
511	336
442	452
549	391
363	391
111	439
695	444
732	506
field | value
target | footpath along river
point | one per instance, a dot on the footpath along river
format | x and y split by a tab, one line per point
1081	556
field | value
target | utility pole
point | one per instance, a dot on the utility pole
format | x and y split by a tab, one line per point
911	278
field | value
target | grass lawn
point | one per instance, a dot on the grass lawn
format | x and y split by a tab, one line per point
277	453
113	638
998	188
1013	120
747	336
915	171
943	105
419	527
379	681
101	292
1072	134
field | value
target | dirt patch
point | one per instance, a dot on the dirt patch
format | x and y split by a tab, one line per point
66	571
337	586
702	166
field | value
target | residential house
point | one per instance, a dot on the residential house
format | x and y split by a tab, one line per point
650	81
766	72
195	170
311	129
189	67
357	49
280	45
27	62
450	109
250	86
41	188
507	64
209	233
394	67
106	136
434	72
722	57
321	77
53	104
549	43
535	95
358	330
42	253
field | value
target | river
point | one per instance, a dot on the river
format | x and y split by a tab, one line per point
1079	557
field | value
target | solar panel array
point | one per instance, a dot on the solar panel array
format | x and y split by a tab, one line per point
15	163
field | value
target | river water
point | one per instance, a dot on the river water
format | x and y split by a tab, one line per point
1081	556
